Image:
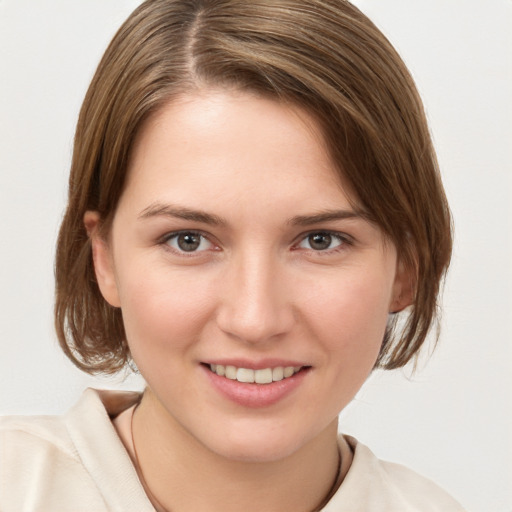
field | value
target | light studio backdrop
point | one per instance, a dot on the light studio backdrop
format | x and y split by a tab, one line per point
452	420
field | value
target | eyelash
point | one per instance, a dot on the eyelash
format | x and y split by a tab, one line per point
343	240
174	235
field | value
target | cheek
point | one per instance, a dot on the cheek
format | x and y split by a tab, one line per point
347	319
162	311
351	313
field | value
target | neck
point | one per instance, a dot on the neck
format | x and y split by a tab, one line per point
183	475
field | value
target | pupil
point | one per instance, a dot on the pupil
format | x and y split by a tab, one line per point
320	241
189	242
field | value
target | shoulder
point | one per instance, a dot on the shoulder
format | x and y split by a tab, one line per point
34	432
45	439
58	462
31	445
37	459
380	486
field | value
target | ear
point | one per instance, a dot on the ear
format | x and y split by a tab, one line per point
403	287
102	259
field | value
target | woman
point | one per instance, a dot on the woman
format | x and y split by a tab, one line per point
254	201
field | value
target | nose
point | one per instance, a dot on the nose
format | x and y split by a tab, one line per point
254	305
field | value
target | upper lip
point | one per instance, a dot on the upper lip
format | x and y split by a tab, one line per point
255	364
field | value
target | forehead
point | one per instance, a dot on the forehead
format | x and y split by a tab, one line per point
223	146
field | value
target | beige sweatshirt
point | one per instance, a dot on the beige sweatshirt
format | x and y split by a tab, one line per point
77	462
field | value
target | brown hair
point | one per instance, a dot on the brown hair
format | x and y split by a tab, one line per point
323	55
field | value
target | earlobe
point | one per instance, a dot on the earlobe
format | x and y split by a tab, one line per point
403	289
102	259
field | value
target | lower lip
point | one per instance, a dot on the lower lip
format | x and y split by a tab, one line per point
255	395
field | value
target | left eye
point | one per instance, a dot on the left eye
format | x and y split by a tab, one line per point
188	241
321	241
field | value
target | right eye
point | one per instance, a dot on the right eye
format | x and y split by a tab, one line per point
323	241
188	242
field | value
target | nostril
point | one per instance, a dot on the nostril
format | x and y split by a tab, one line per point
255	321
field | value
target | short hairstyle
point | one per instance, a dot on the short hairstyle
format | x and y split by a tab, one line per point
322	55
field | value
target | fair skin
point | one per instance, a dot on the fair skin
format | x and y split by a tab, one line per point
234	244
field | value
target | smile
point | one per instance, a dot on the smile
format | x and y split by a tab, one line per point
247	375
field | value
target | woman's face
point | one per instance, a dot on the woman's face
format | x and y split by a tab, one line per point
235	250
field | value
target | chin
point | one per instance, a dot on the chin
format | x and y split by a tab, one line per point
253	443
255	452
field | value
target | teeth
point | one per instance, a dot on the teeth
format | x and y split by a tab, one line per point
289	371
263	376
278	373
230	372
244	375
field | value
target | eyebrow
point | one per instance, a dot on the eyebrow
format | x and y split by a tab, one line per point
326	216
181	212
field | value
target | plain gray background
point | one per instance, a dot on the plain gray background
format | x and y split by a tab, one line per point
452	420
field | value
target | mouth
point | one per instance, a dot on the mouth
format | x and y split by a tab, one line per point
263	384
260	376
